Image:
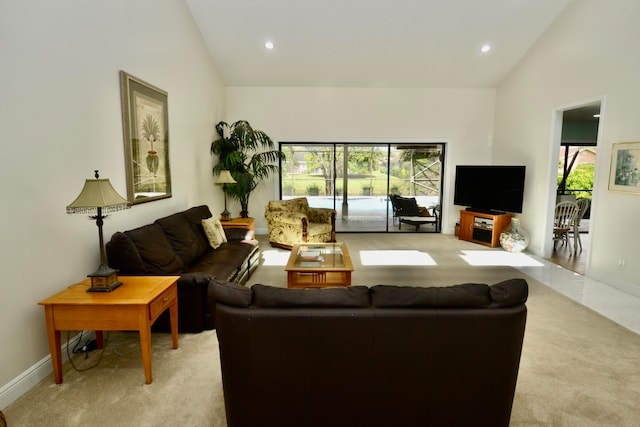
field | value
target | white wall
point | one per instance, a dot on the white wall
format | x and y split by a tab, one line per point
589	53
463	118
60	118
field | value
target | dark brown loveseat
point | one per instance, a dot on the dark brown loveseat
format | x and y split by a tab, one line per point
177	245
380	356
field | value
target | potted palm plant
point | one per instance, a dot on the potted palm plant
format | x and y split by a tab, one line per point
248	154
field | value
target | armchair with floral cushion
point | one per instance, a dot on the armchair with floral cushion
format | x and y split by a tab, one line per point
292	221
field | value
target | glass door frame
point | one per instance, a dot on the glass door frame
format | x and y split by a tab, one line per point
309	176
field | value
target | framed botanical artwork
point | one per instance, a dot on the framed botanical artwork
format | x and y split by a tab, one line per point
624	175
146	140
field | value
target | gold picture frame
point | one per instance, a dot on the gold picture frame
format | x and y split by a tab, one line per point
624	176
145	119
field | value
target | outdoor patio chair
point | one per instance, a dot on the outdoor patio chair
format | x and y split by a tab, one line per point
407	211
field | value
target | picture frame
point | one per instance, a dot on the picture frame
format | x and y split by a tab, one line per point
624	175
145	119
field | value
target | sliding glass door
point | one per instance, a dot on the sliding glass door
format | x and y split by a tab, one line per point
357	179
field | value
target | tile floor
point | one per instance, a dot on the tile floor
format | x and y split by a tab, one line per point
564	272
612	303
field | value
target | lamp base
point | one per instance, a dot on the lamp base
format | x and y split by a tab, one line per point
225	215
104	279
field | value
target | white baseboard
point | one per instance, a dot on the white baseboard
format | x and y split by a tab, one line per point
627	287
24	382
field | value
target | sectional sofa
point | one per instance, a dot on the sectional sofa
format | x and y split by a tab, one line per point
178	245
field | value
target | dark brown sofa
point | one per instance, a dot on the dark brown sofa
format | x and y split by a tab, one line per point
177	245
379	356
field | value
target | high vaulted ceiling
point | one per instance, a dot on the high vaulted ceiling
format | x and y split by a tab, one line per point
371	43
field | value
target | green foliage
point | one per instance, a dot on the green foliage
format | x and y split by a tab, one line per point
408	170
580	178
313	190
249	155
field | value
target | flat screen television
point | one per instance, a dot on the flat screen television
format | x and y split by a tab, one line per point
489	189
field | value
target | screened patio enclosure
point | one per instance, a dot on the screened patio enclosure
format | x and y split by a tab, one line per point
356	180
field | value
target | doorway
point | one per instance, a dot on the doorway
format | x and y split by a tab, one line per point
576	169
356	180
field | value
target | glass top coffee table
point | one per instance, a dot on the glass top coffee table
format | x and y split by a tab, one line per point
316	265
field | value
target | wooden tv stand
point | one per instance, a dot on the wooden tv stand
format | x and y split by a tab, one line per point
483	228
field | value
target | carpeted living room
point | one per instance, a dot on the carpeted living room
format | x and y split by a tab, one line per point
577	366
485	85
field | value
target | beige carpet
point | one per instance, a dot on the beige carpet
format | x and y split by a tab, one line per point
578	368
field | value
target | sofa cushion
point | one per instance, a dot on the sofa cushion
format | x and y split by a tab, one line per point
155	250
270	296
230	293
465	295
194	217
509	292
214	232
219	265
181	237
124	256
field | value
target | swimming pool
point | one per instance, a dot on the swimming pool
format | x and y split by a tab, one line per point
364	203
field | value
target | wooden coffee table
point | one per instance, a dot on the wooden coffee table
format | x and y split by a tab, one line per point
134	306
316	265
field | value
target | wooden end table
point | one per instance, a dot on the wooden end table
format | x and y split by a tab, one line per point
318	265
134	306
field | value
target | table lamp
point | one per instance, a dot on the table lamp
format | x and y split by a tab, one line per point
97	198
225	178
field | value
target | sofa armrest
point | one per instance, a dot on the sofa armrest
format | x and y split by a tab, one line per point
196	310
238	234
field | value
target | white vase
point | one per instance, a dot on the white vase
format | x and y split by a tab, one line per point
514	238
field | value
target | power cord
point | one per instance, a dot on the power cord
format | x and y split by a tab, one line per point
86	348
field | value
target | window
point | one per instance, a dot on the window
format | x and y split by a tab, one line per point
373	171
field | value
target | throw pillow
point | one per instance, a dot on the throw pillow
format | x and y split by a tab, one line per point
424	211
214	231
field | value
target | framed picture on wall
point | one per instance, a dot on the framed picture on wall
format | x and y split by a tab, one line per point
624	175
145	119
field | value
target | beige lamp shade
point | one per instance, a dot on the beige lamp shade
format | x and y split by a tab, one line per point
97	193
225	178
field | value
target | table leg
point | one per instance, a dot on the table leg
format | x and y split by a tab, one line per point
99	340
54	344
173	315
145	347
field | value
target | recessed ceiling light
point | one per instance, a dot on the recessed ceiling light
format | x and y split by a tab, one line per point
268	45
485	48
